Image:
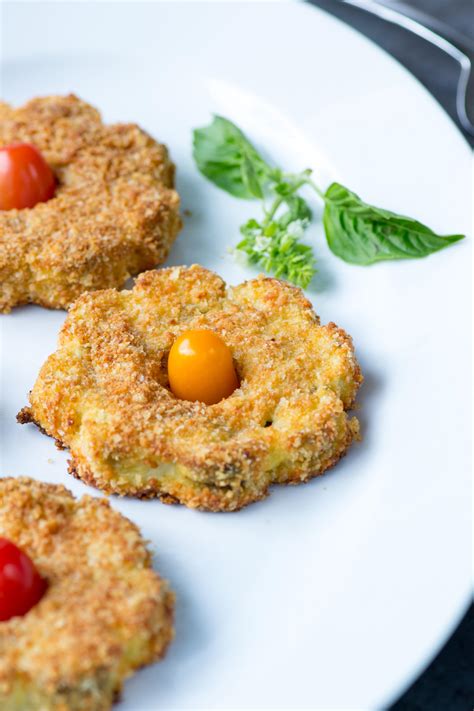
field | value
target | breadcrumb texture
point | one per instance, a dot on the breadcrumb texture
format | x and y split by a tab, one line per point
104	614
114	212
105	393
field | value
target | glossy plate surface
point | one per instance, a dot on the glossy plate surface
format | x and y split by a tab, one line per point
334	594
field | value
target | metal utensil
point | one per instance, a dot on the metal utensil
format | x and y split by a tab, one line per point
455	44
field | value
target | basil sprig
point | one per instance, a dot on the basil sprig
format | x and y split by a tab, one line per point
356	232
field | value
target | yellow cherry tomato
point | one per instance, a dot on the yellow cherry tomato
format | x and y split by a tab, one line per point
200	367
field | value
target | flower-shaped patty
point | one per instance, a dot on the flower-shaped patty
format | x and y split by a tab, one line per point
114	212
104	393
104	614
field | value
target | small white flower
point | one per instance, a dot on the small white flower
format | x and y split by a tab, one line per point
262	244
296	228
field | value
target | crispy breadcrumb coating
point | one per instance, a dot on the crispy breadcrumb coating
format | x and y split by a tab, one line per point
104	614
105	394
114	212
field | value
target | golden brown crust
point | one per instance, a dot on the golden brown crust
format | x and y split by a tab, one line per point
104	393
105	612
114	213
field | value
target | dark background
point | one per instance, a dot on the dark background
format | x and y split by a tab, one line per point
448	682
435	69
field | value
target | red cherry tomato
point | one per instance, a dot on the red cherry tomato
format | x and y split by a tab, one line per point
21	586
25	177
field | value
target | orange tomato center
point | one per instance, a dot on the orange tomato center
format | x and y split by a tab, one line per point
25	177
200	367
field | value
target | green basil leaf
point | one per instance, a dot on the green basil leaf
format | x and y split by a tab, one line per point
250	178
284	188
226	157
298	209
250	226
362	234
286	184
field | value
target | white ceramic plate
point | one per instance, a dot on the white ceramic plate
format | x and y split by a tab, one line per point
335	594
